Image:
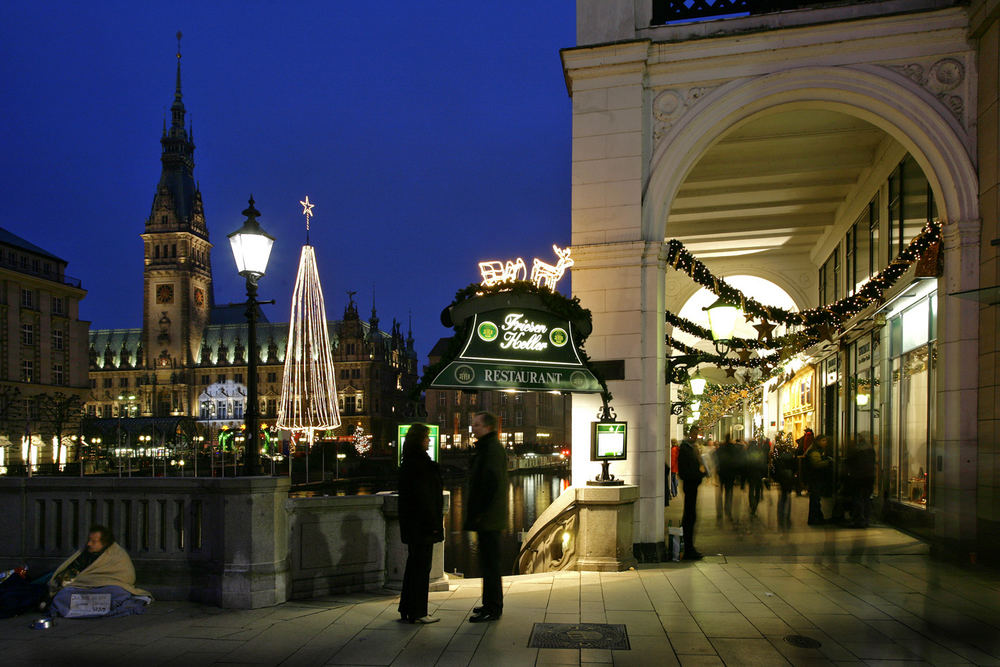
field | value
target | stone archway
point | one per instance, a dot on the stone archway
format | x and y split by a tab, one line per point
889	101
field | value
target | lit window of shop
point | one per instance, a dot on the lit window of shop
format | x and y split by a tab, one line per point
913	353
864	402
911	204
798	403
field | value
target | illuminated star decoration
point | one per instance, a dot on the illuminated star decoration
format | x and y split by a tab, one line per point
307	210
764	329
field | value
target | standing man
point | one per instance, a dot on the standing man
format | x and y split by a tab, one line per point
486	511
691	472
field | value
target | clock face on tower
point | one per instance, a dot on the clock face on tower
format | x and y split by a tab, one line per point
164	294
199	297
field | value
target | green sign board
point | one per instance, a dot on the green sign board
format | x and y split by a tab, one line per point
609	441
518	348
433	450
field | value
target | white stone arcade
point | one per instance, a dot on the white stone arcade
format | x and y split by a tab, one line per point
756	141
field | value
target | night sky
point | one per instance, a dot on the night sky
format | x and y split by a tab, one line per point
429	135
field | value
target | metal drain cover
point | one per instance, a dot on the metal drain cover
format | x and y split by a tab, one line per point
579	635
802	641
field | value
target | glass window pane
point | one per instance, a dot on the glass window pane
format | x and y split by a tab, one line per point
917	205
914	387
915	325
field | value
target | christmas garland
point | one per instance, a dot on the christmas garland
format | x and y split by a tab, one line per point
679	258
799	338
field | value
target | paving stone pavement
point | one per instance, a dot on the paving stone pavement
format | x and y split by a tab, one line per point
872	610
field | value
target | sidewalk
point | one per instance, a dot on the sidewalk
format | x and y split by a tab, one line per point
721	611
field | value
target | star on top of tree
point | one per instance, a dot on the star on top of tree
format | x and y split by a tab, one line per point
307	207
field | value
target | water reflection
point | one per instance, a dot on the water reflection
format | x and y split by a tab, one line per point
528	495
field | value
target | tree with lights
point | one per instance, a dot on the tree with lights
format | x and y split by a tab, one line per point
309	389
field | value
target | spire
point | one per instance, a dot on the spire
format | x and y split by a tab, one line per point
176	190
177	108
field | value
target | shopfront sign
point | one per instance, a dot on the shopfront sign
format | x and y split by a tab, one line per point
518	348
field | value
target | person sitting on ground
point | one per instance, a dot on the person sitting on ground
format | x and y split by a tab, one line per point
102	567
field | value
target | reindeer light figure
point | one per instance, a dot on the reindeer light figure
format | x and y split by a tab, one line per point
543	274
495	272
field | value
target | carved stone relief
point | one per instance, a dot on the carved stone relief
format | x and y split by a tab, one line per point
941	78
671	104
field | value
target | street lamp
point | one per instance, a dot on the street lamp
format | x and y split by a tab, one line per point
722	321
251	250
698	384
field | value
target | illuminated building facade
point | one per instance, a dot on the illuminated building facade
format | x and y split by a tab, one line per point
526	418
43	364
806	145
188	359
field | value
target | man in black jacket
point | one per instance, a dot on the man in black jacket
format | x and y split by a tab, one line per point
691	472
486	511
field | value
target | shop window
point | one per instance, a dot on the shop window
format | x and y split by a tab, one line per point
911	402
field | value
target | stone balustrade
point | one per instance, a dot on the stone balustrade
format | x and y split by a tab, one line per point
238	542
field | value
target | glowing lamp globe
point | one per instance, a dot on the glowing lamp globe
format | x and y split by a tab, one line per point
862	399
251	245
698	385
722	319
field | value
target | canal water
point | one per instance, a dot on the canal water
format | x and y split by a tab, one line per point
528	495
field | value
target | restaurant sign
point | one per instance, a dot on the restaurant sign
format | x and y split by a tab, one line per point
518	348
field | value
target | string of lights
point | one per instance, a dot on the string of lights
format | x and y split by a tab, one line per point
679	258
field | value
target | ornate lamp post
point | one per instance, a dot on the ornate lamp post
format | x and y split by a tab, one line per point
251	250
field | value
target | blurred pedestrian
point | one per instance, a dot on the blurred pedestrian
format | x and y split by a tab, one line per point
804	443
860	466
421	522
785	466
691	471
818	467
730	463
756	470
674	450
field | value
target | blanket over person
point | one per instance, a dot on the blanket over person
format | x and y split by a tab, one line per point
112	568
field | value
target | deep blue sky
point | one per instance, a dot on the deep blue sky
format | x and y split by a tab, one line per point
430	135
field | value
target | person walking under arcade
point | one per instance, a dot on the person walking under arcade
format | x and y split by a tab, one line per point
487	511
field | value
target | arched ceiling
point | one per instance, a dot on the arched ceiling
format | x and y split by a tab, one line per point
774	184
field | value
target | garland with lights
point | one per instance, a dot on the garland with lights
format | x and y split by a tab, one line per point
718	359
681	259
800	339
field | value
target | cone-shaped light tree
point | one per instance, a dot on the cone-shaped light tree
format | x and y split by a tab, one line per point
309	387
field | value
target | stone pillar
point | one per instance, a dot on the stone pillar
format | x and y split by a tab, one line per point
623	286
619	272
256	550
954	448
604	535
395	550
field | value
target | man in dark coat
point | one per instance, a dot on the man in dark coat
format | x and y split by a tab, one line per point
691	471
486	511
